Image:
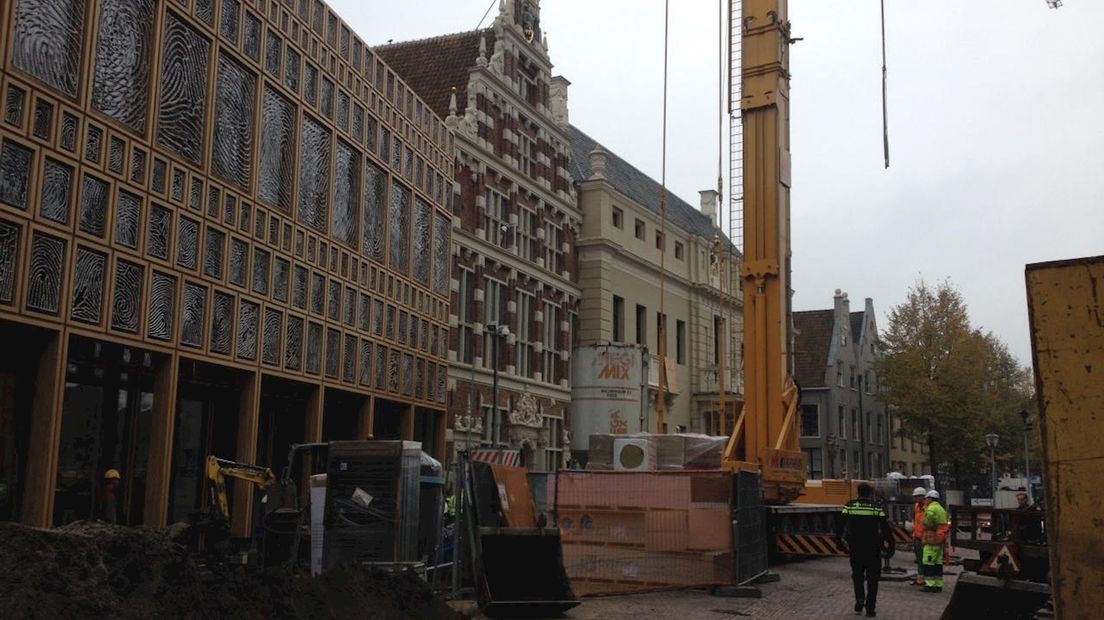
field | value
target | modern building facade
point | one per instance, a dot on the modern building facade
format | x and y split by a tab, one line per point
844	428
515	221
223	229
619	255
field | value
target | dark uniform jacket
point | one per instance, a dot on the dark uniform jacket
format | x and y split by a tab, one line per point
865	528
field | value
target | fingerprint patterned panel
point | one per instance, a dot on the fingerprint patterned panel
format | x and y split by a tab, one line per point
47	39
127	301
400	228
314	174
346	208
120	79
277	151
442	229
375	205
183	89
233	135
9	252
162	306
194	315
44	279
423	214
15	169
57	183
88	280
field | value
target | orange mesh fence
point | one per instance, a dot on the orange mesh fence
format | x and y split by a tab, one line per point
629	532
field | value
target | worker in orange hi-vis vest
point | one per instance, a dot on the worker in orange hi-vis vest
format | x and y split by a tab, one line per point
918	532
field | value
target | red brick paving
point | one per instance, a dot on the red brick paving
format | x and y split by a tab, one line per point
812	589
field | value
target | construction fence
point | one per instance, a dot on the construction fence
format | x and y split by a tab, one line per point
630	532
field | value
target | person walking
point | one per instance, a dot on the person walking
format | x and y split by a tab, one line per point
919	501
936	527
865	531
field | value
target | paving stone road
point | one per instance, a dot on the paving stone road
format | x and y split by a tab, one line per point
812	589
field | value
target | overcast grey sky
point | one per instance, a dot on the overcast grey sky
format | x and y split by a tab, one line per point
996	111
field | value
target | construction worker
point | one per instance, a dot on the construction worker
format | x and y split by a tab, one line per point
919	501
865	531
936	527
109	496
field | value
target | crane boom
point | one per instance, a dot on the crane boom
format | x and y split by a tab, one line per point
765	436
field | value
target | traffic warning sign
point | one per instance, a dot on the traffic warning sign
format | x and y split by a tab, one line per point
1003	562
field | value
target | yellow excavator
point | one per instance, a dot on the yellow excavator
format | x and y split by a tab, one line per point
219	469
280	521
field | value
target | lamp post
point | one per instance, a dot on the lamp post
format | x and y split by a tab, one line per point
991	440
1027	454
497	331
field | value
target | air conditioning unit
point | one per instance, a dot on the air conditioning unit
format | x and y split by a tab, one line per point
634	454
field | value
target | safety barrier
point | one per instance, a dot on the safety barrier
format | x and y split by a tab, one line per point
808	544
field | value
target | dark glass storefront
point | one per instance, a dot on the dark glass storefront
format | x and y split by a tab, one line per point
106	415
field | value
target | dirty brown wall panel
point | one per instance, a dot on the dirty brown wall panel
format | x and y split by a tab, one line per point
1066	309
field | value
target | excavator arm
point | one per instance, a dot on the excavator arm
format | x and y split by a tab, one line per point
220	469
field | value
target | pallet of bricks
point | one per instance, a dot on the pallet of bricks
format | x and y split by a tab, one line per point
666	527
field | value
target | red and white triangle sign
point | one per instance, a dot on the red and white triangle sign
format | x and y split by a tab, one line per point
1005	551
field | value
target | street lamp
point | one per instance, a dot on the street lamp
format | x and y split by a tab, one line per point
1027	452
991	440
497	331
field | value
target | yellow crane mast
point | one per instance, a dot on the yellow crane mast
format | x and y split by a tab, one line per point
765	436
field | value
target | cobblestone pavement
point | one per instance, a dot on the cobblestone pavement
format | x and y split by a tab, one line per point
812	589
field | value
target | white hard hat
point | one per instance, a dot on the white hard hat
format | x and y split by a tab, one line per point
933	494
919	491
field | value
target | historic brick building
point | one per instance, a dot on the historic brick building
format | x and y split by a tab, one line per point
223	229
844	430
514	226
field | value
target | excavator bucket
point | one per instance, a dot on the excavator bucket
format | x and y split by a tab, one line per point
983	596
523	573
520	571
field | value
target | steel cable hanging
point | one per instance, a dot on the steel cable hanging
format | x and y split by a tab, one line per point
661	401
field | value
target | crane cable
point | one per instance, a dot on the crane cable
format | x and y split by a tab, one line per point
661	401
885	105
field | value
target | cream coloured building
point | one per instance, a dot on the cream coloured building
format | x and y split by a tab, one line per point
619	266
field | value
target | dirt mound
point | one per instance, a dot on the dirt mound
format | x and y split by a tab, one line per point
97	570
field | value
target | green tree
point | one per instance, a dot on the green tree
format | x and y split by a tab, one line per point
948	382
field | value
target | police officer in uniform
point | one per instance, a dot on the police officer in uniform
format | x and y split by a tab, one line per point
865	530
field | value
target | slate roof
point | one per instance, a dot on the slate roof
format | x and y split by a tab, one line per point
856	326
434	66
636	185
812	343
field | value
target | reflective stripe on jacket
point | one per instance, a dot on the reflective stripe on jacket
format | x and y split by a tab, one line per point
865	528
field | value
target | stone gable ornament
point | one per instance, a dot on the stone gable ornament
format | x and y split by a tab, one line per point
530	20
525	412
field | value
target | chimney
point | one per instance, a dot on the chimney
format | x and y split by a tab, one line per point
557	99
598	162
709	205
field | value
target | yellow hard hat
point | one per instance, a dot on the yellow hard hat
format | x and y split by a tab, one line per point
112	474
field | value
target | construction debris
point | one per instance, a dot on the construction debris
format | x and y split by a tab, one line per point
91	569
